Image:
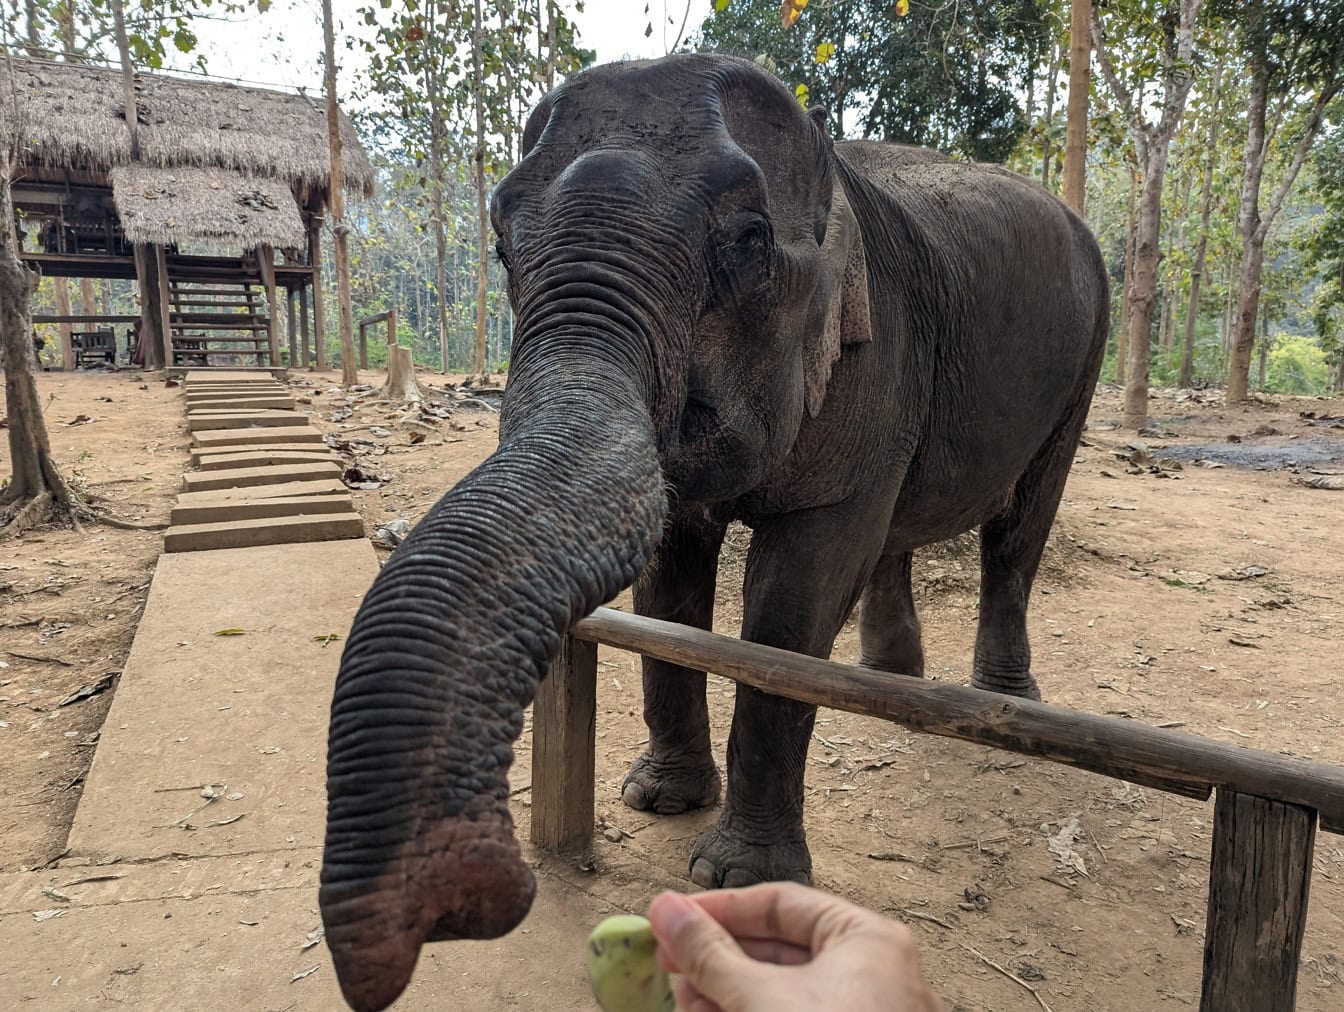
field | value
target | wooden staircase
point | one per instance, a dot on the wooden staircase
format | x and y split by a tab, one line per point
215	321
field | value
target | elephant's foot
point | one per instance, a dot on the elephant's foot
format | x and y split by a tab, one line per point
1021	684
670	786
728	860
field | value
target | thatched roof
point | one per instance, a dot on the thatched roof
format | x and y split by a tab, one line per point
70	116
160	206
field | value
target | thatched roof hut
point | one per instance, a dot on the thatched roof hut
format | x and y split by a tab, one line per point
68	118
159	205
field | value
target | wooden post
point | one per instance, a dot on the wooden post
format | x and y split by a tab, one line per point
266	266
304	356
363	346
165	305
1259	877
564	717
61	286
391	329
319	319
292	337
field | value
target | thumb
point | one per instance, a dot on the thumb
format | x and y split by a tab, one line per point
696	946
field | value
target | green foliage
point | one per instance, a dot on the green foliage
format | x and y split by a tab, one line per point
1297	365
946	76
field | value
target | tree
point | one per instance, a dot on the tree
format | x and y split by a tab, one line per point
1295	52
1164	47
349	373
1075	136
1202	243
946	76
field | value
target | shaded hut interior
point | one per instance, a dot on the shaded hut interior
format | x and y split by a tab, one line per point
217	216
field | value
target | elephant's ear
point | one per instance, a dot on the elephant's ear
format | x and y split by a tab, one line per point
839	312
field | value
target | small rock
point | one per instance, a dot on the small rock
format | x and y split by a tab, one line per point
613	834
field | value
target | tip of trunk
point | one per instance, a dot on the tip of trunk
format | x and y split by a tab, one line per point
451	888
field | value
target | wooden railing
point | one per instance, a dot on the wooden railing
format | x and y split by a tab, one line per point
1265	813
391	317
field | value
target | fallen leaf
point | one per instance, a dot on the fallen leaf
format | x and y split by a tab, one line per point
1244	573
1328	482
88	691
311	939
231	632
1236	642
51	892
225	822
303	973
79	420
46	915
1120	506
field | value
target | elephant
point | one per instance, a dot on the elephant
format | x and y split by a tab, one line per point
854	348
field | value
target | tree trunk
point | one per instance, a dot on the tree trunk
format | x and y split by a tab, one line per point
34	485
1339	373
1264	349
61	290
1122	332
1202	244
1163	316
483	238
1050	85
1143	296
1075	133
340	231
436	132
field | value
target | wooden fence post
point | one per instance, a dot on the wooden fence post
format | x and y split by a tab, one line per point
564	717
363	347
1259	878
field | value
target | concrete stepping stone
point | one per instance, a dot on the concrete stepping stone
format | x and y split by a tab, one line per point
257	437
264	457
199	453
239	477
201	377
250	493
244	403
204	419
253	509
263	531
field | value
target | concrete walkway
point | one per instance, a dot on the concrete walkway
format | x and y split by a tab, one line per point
191	877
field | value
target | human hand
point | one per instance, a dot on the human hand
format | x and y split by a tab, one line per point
780	946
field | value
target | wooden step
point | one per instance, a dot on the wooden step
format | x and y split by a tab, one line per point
242	402
198	378
243	477
254	509
262	531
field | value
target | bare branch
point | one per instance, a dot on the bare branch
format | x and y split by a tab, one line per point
1300	152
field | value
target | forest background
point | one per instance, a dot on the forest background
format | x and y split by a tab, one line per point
1214	148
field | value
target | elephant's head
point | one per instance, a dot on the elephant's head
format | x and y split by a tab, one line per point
684	265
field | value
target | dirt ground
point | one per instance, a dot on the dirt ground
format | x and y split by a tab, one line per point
1205	597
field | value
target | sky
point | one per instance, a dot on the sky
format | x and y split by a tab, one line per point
282	46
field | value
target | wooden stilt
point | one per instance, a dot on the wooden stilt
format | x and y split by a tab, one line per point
564	724
319	318
266	266
165	305
1259	878
292	337
304	354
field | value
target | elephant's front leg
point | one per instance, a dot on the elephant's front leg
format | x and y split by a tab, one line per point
803	578
677	772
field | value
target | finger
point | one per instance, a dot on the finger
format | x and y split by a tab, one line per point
769	950
700	949
784	911
691	1000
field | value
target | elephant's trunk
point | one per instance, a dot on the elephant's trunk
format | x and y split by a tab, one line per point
451	641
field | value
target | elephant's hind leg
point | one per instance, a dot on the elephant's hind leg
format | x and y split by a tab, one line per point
1010	552
677	771
889	633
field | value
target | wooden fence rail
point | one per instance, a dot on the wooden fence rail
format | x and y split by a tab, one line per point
1265	814
391	317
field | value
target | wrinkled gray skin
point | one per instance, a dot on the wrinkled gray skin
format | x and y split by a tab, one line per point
855	349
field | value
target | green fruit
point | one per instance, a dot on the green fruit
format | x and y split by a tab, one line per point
623	967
